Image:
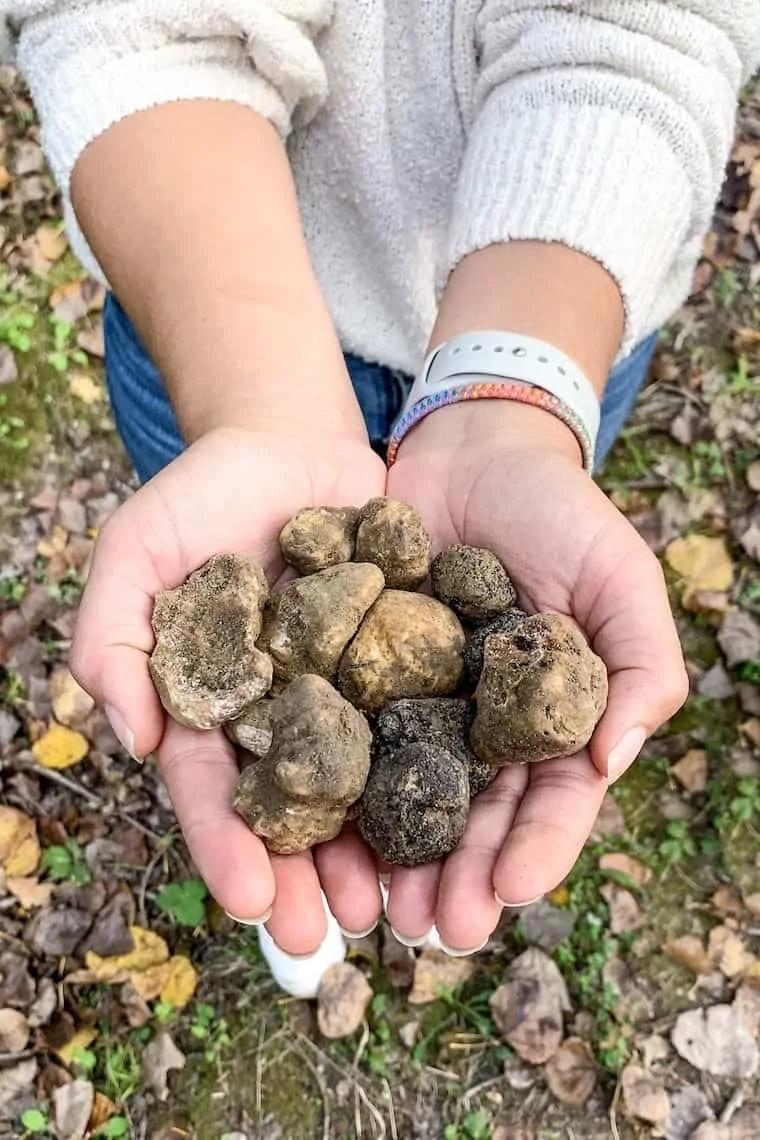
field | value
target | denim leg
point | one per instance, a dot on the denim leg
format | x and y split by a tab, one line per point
625	382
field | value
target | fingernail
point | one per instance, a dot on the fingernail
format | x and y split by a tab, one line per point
265	917
121	731
454	953
625	752
359	933
412	943
516	906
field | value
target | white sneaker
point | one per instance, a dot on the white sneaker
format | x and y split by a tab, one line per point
300	976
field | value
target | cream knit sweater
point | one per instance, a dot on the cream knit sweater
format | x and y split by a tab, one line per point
420	131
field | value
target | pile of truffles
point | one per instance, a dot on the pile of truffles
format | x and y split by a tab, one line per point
350	695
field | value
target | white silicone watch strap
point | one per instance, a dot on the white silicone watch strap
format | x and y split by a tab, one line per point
473	356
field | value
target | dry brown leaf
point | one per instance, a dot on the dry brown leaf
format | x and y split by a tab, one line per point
727	900
72	1104
751	729
739	638
747	1004
75	299
716	1040
149	983
60	747
703	563
19	845
691	771
5	178
571	1072
645	1095
626	865
625	913
528	1007
71	704
149	950
102	1110
434	971
52	243
689	952
750	541
83	387
342	1000
159	1058
181	982
727	952
82	1039
753	476
29	891
54	543
752	903
92	341
14	1031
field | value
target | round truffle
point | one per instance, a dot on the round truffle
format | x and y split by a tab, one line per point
409	645
318	537
205	665
474	645
473	582
391	534
414	807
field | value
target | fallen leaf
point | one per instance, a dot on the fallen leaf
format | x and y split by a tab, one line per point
727	900
571	1072
181	982
30	892
71	704
58	931
54	543
703	563
528	1007
52	243
72	1106
44	1005
610	820
689	952
691	771
136	1009
83	387
149	950
625	913
92	341
399	961
652	1049
752	903
161	1056
727	952
739	638
435	971
626	865
716	683
645	1095
747	1004
750	541
716	1040
5	178
689	1108
148	984
102	1110
82	1039
16	1082
545	925
751	729
14	1031
8	366
60	747
753	476
342	1000
75	299
19	845
16	983
745	1125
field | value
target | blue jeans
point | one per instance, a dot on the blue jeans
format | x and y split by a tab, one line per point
147	425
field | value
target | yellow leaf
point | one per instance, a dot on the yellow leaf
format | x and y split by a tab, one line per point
29	891
5	178
149	983
560	896
81	1039
51	242
181	983
19	845
102	1111
149	950
54	543
702	562
84	388
60	747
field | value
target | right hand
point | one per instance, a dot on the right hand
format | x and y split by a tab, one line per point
232	490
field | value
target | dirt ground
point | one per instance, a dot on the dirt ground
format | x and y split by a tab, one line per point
131	1006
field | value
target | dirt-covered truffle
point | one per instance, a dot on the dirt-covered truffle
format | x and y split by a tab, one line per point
473	646
541	693
298	794
445	721
252	730
313	619
414	808
472	581
409	645
391	534
318	537
205	664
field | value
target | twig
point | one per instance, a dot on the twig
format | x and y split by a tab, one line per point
391	1108
161	848
471	1092
56	777
320	1085
735	1102
613	1112
361	1046
350	1075
13	1058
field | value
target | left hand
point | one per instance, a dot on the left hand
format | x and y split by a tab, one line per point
508	477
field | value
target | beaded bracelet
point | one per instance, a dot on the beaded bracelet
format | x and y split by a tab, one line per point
520	392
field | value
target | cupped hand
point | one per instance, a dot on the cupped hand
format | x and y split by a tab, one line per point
509	478
232	491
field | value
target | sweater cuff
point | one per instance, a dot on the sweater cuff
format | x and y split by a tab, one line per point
75	109
588	177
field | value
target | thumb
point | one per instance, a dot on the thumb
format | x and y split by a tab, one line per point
114	638
633	631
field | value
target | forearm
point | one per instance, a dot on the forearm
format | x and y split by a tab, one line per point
191	211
